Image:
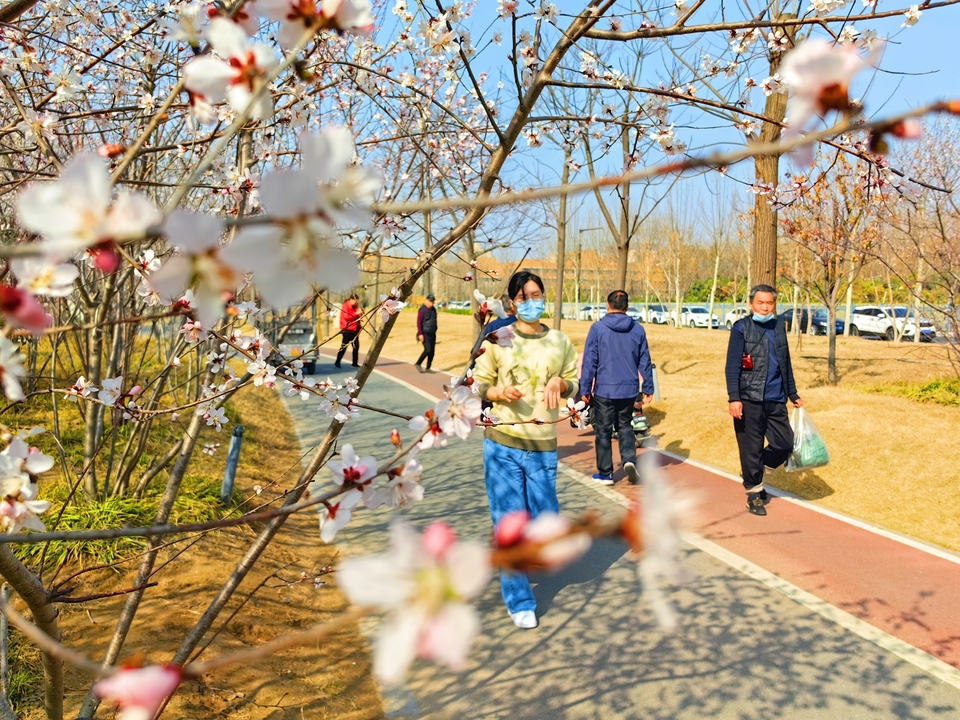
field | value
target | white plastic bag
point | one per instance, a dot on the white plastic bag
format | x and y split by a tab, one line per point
809	450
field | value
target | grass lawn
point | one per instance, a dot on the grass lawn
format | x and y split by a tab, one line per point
895	461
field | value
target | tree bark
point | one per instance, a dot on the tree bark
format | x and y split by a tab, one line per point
764	261
561	243
31	591
623	238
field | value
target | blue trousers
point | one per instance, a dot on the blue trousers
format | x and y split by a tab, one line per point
519	480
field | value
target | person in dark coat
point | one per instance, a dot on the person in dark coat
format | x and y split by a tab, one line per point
427	332
759	381
614	359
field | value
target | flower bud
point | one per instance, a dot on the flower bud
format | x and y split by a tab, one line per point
438	538
395	438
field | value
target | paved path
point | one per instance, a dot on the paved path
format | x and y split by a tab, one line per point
751	646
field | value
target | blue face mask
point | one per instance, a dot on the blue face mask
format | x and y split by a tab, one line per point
763	318
530	310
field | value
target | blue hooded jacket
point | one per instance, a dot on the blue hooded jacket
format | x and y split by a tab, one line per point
616	353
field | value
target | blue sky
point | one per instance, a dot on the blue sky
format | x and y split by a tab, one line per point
918	66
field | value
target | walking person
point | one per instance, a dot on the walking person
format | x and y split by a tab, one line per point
350	314
427	332
524	382
759	381
616	356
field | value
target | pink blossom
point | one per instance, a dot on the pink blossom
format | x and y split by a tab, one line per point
423	581
23	310
139	691
351	468
503	337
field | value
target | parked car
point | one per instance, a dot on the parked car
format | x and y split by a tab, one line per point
803	318
633	313
300	342
592	312
885	322
731	317
696	317
820	323
653	314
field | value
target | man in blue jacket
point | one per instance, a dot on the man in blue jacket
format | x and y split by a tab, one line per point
759	381
615	357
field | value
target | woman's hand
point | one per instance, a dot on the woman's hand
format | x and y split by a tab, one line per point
507	394
554	390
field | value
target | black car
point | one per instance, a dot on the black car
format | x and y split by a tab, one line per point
802	317
820	323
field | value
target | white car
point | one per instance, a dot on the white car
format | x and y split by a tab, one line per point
731	317
653	314
696	317
592	312
885	322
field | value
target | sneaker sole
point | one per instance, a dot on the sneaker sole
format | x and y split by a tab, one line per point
598	481
633	475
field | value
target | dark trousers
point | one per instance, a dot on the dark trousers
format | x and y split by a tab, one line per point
605	411
429	345
347	337
762	420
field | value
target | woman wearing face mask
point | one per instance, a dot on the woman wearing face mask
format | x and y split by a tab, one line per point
524	382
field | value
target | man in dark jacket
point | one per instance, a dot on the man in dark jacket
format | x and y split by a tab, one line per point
427	332
615	357
759	381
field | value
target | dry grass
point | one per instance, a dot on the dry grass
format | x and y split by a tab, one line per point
893	459
328	680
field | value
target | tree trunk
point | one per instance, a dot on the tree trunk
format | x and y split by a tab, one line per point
561	243
713	290
32	592
849	310
764	263
832	335
623	238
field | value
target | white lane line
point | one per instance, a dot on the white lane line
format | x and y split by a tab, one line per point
941	553
903	650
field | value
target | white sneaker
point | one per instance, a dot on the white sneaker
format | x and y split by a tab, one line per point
525	619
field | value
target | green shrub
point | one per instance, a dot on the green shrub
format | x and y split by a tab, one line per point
942	391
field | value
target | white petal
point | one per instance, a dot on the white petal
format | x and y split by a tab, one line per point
288	194
448	636
192	233
130	216
227	38
396	646
468	564
254	249
375	581
38	463
337	271
171	279
325	156
209	77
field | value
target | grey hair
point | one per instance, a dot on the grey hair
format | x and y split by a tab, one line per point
762	289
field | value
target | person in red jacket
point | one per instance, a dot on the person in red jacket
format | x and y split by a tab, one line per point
350	314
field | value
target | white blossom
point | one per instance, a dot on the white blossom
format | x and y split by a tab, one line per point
424	582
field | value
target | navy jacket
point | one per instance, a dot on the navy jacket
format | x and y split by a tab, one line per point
616	353
771	356
498	323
